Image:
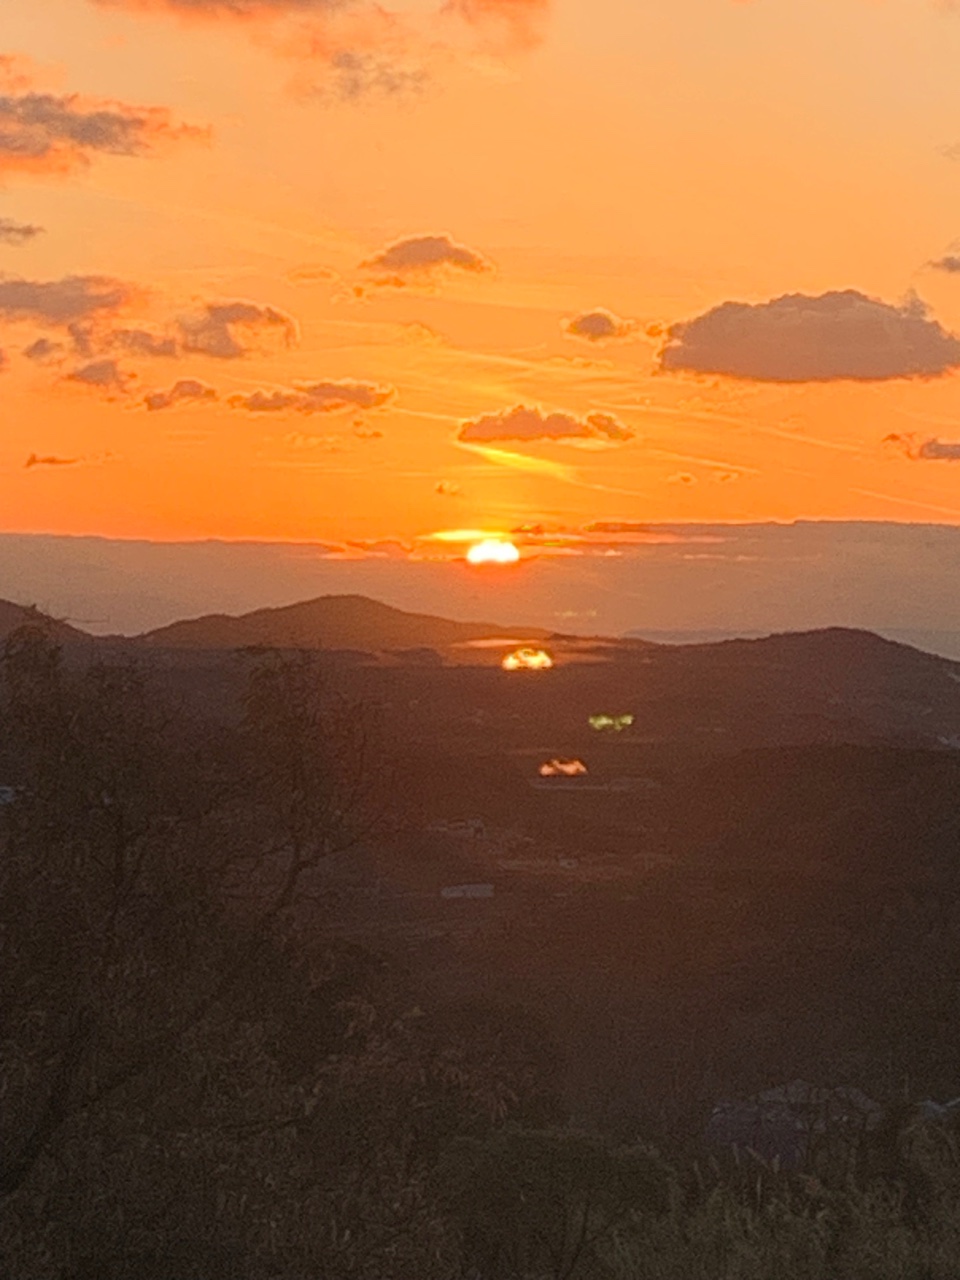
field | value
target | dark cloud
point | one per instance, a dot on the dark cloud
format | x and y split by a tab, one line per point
105	374
599	326
141	342
62	302
17	233
352	75
230	330
930	450
422	255
41	131
44	350
186	389
796	338
521	423
49	460
315	397
949	263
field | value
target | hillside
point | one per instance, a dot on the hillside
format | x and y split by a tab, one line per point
13	616
329	622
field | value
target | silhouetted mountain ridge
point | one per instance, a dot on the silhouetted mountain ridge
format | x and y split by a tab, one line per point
328	622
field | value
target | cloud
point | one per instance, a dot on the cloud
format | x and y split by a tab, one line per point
520	423
839	335
229	330
105	374
44	350
48	133
185	390
351	76
310	274
141	342
930	450
425	255
62	302
17	233
939	451
448	489
49	460
599	326
315	397
949	263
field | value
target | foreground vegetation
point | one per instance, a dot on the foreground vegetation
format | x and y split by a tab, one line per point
196	1085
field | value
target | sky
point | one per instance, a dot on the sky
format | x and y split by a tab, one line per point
386	279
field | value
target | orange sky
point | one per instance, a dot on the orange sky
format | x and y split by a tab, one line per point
416	207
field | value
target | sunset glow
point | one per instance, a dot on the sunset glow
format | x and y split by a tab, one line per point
527	660
493	551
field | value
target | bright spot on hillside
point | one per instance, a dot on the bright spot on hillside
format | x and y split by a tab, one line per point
527	660
616	724
563	769
493	551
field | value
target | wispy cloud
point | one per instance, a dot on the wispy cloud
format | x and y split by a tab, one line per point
49	133
314	397
185	391
521	423
49	460
17	233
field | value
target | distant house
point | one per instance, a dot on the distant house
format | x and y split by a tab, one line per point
467	891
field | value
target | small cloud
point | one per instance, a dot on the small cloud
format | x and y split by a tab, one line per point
45	351
45	133
230	330
447	489
599	326
62	302
423	256
796	338
521	423
310	274
187	389
351	76
929	450
49	460
949	263
618	527
363	432
17	233
682	477
141	342
104	374
316	397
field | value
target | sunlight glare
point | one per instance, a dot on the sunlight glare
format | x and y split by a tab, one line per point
493	551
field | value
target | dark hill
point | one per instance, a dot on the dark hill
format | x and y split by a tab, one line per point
13	616
329	622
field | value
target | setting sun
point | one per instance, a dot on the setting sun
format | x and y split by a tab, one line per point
493	551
